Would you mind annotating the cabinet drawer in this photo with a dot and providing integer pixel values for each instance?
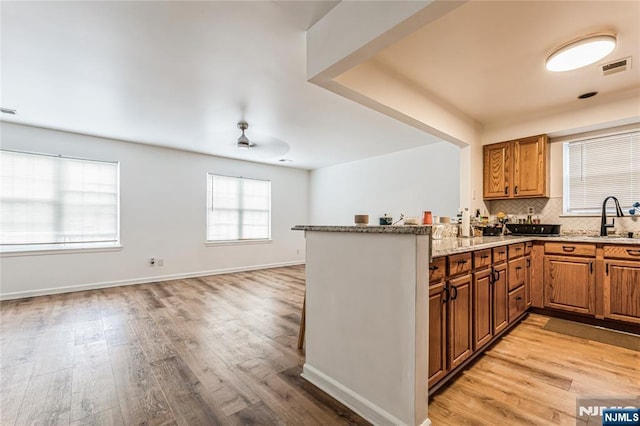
(481, 258)
(516, 273)
(571, 249)
(437, 269)
(516, 250)
(499, 254)
(459, 264)
(622, 252)
(527, 247)
(517, 303)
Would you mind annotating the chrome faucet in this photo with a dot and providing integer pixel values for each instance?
(603, 221)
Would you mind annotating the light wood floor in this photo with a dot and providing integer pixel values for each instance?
(221, 350)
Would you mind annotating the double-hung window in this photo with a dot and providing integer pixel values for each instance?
(54, 202)
(598, 167)
(238, 209)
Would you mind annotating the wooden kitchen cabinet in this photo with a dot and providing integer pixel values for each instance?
(437, 332)
(460, 339)
(482, 308)
(497, 170)
(500, 299)
(621, 283)
(516, 169)
(527, 281)
(569, 283)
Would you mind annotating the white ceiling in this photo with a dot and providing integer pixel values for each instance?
(181, 75)
(486, 58)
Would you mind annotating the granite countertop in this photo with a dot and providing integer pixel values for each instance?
(447, 246)
(385, 229)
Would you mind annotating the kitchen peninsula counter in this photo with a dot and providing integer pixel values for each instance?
(366, 339)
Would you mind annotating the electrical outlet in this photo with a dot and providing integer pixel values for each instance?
(530, 210)
(298, 251)
(160, 262)
(152, 261)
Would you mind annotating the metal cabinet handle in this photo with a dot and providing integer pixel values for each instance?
(506, 190)
(515, 190)
(518, 268)
(528, 263)
(633, 252)
(569, 248)
(591, 267)
(445, 293)
(454, 296)
(607, 269)
(519, 298)
(433, 268)
(461, 262)
(484, 256)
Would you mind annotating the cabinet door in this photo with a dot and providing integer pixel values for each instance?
(530, 167)
(622, 290)
(482, 308)
(500, 301)
(527, 280)
(517, 272)
(569, 284)
(460, 308)
(497, 169)
(517, 304)
(437, 333)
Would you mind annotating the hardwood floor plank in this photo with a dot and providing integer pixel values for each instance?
(189, 400)
(109, 417)
(256, 415)
(47, 399)
(141, 400)
(93, 389)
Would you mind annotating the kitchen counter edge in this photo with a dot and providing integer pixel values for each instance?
(447, 246)
(385, 229)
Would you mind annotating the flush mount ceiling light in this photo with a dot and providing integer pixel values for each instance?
(581, 52)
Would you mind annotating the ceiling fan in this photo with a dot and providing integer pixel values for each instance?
(259, 147)
(243, 140)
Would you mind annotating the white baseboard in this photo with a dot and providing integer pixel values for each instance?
(365, 408)
(106, 284)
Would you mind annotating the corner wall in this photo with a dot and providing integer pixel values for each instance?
(409, 182)
(162, 215)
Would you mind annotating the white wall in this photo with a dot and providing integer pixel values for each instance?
(409, 182)
(163, 215)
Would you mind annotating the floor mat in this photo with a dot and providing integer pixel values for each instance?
(610, 337)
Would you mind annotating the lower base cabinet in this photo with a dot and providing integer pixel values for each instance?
(569, 284)
(437, 332)
(460, 339)
(517, 303)
(622, 291)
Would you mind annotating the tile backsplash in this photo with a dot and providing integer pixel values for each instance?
(549, 210)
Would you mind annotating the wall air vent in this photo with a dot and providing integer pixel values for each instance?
(616, 66)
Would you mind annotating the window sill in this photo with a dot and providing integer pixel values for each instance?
(53, 249)
(237, 242)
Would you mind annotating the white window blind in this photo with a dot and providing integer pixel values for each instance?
(48, 200)
(238, 208)
(598, 167)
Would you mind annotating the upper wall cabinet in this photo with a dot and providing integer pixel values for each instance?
(516, 169)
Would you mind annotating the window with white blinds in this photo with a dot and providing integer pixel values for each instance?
(57, 202)
(598, 167)
(238, 208)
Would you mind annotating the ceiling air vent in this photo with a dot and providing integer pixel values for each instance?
(616, 66)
